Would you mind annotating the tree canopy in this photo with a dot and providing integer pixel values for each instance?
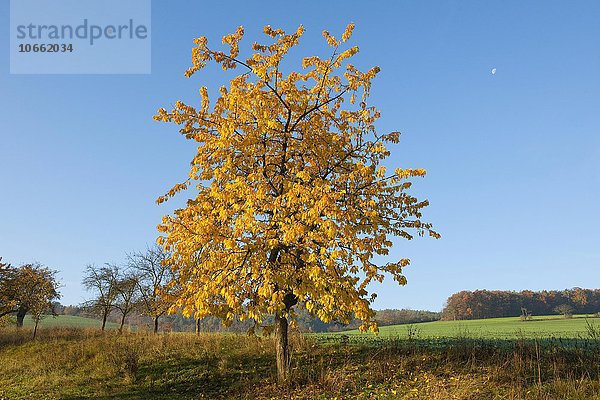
(293, 202)
(27, 288)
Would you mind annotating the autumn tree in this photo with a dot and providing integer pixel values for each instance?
(7, 301)
(153, 276)
(27, 288)
(102, 282)
(293, 203)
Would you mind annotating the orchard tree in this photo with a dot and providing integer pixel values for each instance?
(7, 278)
(293, 203)
(102, 282)
(153, 275)
(40, 305)
(27, 288)
(126, 299)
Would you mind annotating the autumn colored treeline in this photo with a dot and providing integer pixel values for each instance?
(498, 303)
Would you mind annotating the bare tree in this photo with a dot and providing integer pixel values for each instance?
(153, 278)
(126, 295)
(564, 309)
(525, 314)
(102, 281)
(41, 307)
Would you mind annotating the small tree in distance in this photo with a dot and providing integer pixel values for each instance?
(153, 275)
(27, 288)
(41, 306)
(565, 310)
(127, 296)
(102, 282)
(292, 201)
(525, 314)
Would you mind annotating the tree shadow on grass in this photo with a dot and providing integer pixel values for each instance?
(189, 378)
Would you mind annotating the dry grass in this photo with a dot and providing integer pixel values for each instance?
(79, 364)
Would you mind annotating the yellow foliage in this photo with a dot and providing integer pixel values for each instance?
(292, 203)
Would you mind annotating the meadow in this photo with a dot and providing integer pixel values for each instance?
(494, 328)
(84, 363)
(579, 326)
(70, 321)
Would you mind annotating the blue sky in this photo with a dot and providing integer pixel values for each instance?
(512, 158)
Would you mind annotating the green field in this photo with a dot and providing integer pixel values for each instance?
(493, 328)
(68, 321)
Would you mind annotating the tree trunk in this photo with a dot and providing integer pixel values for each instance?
(20, 317)
(282, 349)
(104, 316)
(37, 321)
(198, 326)
(122, 323)
(155, 325)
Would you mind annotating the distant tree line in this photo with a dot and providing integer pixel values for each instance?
(383, 318)
(496, 303)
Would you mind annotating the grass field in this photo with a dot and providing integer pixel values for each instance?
(68, 321)
(493, 328)
(70, 363)
(501, 358)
